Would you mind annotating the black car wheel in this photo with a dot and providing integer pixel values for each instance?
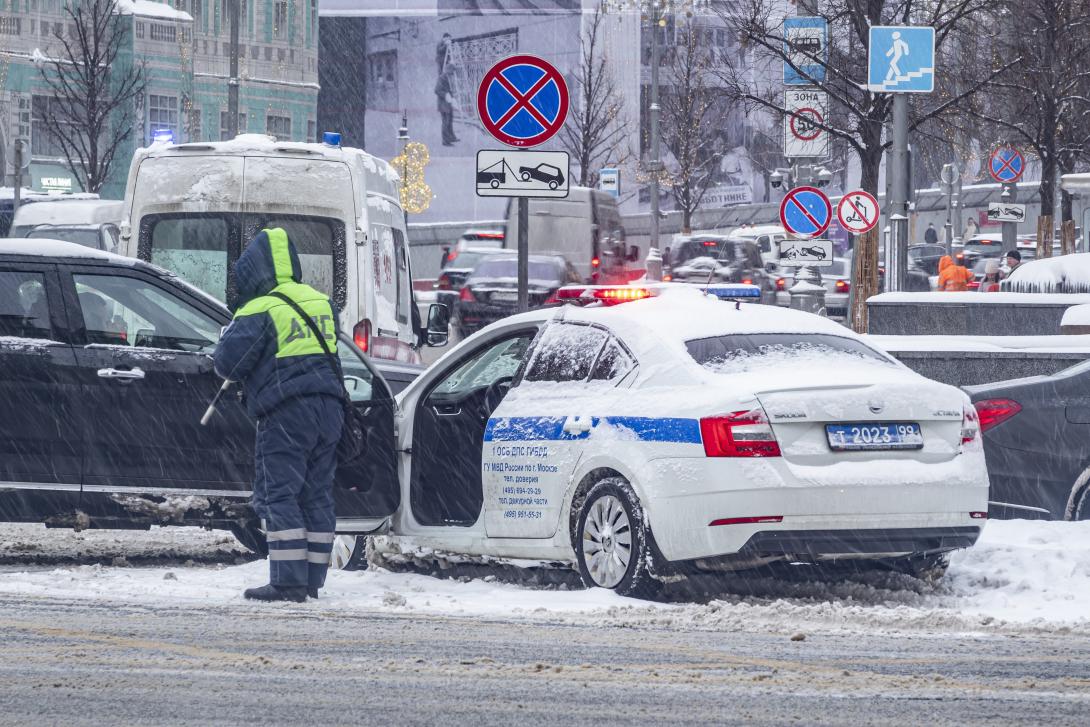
(553, 185)
(526, 176)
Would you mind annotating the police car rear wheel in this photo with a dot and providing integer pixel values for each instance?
(612, 541)
(349, 552)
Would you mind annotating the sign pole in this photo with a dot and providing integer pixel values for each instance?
(524, 255)
(18, 177)
(1010, 229)
(897, 252)
(864, 277)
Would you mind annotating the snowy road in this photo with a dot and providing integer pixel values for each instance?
(1005, 639)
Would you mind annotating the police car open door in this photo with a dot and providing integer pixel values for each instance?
(368, 492)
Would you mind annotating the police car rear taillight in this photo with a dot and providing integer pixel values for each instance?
(361, 334)
(739, 434)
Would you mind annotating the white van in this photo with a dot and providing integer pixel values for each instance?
(767, 238)
(192, 208)
(585, 227)
(80, 218)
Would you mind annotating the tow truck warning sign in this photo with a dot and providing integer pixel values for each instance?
(520, 173)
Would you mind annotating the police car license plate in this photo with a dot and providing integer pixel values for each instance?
(874, 436)
(505, 297)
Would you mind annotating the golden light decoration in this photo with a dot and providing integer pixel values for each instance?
(410, 163)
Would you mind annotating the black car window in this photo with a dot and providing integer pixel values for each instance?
(24, 310)
(507, 267)
(128, 311)
(741, 352)
(613, 364)
(566, 352)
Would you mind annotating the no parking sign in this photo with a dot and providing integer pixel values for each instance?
(806, 211)
(522, 100)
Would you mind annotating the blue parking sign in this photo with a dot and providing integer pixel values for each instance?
(804, 45)
(901, 59)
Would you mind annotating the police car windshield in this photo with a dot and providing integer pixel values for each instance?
(742, 352)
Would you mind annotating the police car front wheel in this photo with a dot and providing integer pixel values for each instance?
(349, 552)
(612, 541)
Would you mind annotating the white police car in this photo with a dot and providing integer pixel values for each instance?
(681, 432)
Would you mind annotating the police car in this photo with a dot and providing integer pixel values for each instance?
(664, 430)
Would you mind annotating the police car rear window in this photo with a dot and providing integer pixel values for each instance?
(743, 352)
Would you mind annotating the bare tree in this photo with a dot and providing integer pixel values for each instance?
(688, 127)
(1043, 101)
(92, 110)
(596, 133)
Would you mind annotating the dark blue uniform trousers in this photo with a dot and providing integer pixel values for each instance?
(296, 459)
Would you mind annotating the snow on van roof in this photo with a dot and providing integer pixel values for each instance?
(45, 247)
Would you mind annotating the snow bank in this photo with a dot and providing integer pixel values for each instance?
(151, 9)
(1027, 344)
(1076, 315)
(1021, 576)
(1062, 274)
(1005, 298)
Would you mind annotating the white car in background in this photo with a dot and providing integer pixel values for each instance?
(676, 433)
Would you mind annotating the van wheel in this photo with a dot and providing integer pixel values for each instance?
(349, 553)
(612, 541)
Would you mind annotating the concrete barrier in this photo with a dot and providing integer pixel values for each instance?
(969, 314)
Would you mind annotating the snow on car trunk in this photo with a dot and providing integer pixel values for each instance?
(832, 399)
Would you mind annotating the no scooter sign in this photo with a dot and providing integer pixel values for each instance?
(857, 212)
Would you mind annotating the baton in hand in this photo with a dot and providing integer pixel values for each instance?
(215, 400)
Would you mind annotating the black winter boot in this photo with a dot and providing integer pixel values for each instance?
(269, 592)
(312, 592)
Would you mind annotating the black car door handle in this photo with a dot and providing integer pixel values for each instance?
(121, 374)
(447, 410)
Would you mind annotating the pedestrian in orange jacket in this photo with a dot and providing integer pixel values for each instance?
(953, 277)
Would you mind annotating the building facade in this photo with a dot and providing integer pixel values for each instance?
(185, 50)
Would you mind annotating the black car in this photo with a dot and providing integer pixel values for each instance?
(546, 173)
(491, 290)
(1037, 444)
(105, 372)
(926, 257)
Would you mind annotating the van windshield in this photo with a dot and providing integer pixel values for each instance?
(201, 248)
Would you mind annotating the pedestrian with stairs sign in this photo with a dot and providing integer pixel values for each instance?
(902, 59)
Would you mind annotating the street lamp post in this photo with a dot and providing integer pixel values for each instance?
(403, 137)
(656, 12)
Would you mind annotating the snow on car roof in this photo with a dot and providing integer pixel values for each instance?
(46, 247)
(68, 210)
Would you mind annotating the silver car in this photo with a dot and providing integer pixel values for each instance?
(837, 280)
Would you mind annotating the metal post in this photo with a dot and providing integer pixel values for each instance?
(232, 82)
(897, 253)
(1010, 229)
(18, 177)
(654, 163)
(524, 254)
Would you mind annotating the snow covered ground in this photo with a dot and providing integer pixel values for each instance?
(1023, 576)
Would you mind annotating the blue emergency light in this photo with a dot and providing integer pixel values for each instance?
(734, 291)
(162, 136)
(331, 138)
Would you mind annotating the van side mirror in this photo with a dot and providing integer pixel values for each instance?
(438, 324)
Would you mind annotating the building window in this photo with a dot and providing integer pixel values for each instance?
(42, 141)
(225, 133)
(255, 52)
(278, 126)
(312, 130)
(159, 31)
(10, 26)
(382, 80)
(268, 52)
(139, 29)
(162, 114)
(280, 19)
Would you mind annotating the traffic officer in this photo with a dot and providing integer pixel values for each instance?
(295, 395)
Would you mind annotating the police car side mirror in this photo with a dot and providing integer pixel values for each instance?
(438, 324)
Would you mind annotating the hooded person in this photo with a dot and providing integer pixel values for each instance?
(295, 396)
(953, 277)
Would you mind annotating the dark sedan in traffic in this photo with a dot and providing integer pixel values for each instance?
(1037, 444)
(491, 290)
